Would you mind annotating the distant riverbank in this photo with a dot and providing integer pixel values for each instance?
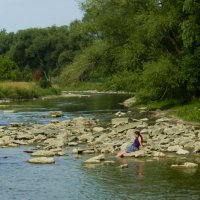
(24, 90)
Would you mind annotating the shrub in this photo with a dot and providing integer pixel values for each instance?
(124, 81)
(43, 83)
(160, 79)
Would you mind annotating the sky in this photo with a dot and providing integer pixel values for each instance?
(22, 14)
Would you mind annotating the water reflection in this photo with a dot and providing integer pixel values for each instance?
(138, 167)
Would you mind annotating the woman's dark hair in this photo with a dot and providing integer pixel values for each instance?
(138, 133)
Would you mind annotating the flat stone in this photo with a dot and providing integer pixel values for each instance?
(98, 129)
(132, 125)
(158, 154)
(174, 148)
(186, 165)
(72, 144)
(41, 160)
(43, 153)
(95, 159)
(124, 166)
(136, 154)
(118, 121)
(182, 152)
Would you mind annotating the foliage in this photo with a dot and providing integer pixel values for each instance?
(43, 83)
(148, 47)
(160, 79)
(8, 69)
(24, 90)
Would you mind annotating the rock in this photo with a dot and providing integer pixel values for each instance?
(120, 114)
(124, 166)
(119, 121)
(43, 153)
(77, 151)
(9, 111)
(182, 152)
(143, 108)
(95, 159)
(98, 129)
(88, 151)
(15, 124)
(28, 151)
(72, 144)
(197, 147)
(41, 160)
(5, 141)
(24, 136)
(186, 165)
(56, 114)
(129, 102)
(136, 154)
(144, 119)
(61, 153)
(54, 121)
(125, 127)
(162, 120)
(174, 148)
(158, 154)
(109, 162)
(107, 147)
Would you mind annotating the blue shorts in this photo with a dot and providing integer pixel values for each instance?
(131, 149)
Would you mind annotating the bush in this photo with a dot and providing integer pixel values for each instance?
(160, 79)
(124, 81)
(9, 69)
(44, 84)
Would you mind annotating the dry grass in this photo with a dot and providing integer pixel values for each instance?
(20, 85)
(24, 90)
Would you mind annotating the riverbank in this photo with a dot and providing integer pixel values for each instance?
(189, 112)
(24, 90)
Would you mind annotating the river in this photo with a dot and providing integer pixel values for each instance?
(70, 179)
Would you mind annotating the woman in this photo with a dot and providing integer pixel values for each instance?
(134, 147)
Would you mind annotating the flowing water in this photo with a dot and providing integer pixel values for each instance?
(70, 179)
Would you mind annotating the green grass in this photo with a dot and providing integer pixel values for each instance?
(188, 112)
(84, 86)
(24, 90)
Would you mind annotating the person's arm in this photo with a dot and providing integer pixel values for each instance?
(140, 141)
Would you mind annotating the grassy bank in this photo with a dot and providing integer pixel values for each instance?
(187, 112)
(24, 90)
(84, 86)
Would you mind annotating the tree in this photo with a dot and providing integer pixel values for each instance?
(8, 69)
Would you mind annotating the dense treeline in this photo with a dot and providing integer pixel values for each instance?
(149, 47)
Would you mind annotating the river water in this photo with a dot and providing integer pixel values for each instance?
(70, 179)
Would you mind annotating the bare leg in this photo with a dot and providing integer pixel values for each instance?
(121, 153)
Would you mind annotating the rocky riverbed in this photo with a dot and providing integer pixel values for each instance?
(163, 138)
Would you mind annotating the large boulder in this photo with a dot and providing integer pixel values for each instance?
(41, 160)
